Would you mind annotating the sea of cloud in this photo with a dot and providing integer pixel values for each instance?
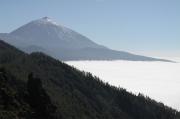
(158, 80)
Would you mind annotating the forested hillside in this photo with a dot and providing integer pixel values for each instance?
(37, 86)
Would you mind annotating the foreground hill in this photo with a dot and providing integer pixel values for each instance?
(60, 42)
(62, 92)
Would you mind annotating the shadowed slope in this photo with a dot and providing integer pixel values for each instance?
(80, 95)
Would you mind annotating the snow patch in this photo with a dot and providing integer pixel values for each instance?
(46, 20)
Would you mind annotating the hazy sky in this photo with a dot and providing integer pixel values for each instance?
(140, 26)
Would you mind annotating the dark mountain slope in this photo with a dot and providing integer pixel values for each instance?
(24, 101)
(12, 101)
(79, 95)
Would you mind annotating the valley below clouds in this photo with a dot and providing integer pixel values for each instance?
(157, 80)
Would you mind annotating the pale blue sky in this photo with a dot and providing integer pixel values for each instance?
(140, 26)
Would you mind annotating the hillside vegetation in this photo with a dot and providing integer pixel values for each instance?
(37, 86)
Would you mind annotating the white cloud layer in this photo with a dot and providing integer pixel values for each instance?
(158, 80)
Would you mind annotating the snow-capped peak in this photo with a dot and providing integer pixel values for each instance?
(46, 20)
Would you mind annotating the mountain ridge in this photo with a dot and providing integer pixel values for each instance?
(54, 38)
(76, 94)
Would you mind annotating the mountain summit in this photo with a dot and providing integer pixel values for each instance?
(47, 36)
(46, 20)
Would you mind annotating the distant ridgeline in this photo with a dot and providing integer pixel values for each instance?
(45, 35)
(36, 86)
